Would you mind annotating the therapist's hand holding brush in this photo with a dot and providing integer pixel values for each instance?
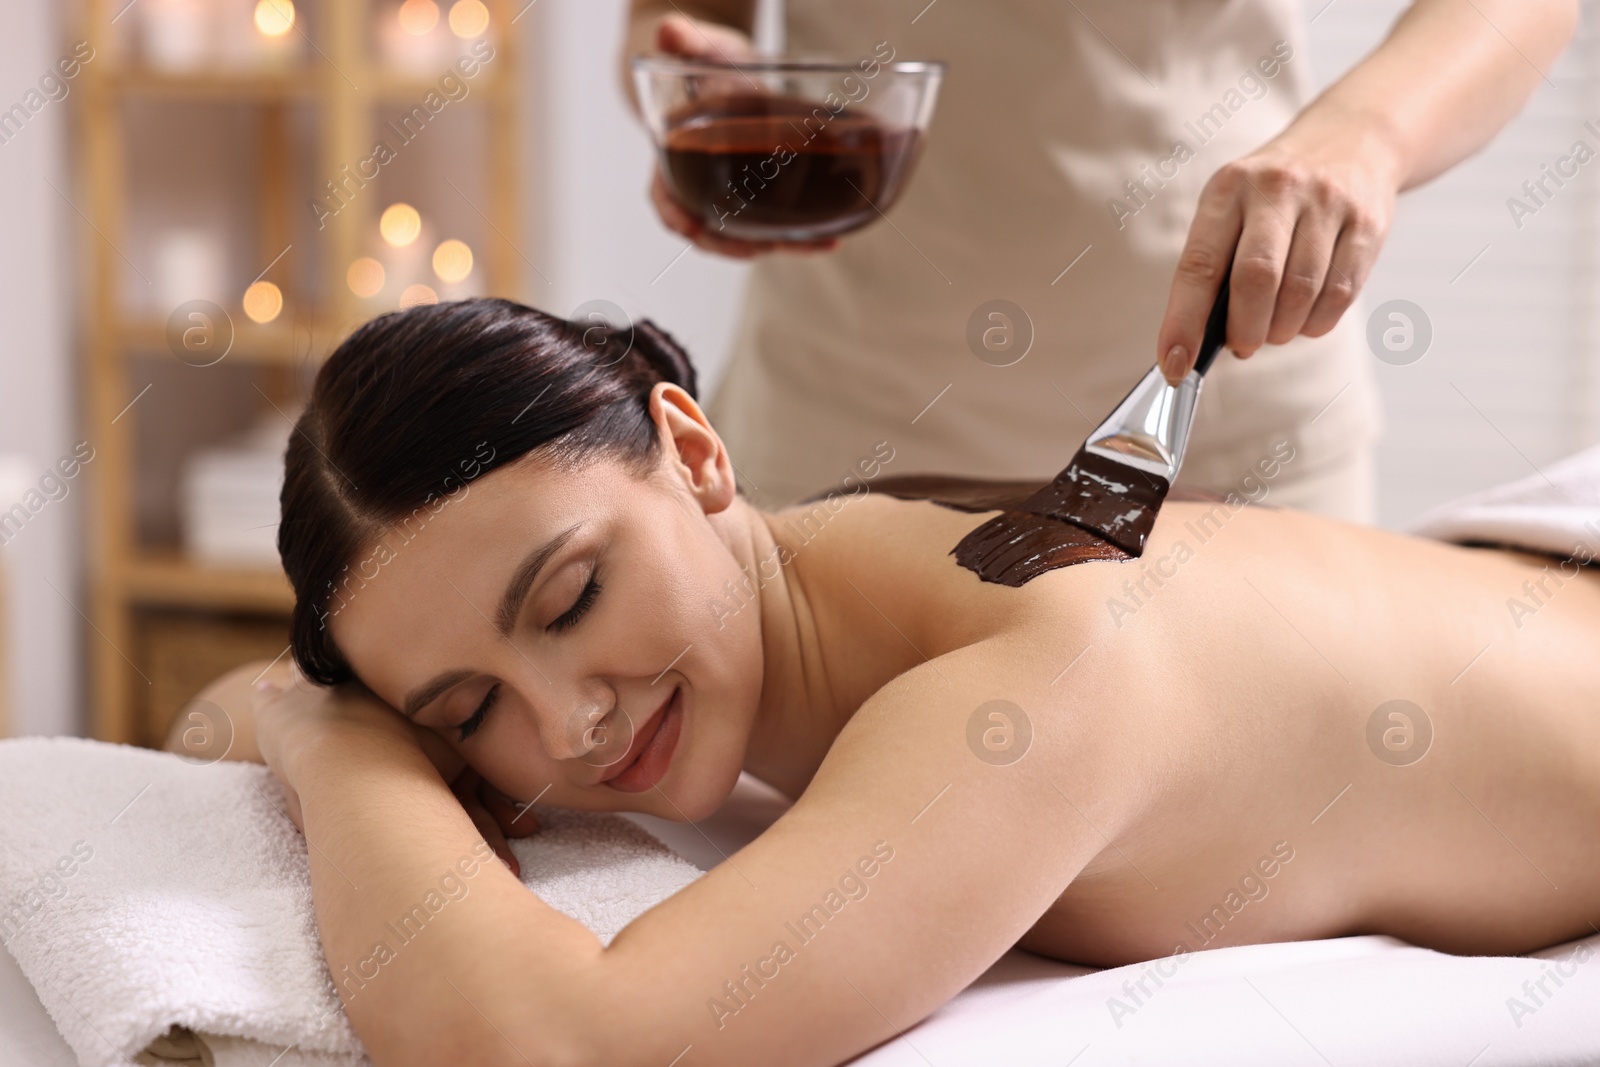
(1303, 217)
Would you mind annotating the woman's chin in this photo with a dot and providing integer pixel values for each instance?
(691, 791)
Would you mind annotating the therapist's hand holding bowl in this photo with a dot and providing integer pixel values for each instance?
(760, 153)
(687, 38)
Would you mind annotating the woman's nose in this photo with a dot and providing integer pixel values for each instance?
(602, 733)
(562, 725)
(596, 733)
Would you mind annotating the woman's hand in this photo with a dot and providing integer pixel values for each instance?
(216, 724)
(1302, 220)
(294, 717)
(680, 35)
(496, 815)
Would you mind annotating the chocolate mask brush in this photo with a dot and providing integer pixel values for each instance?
(1115, 485)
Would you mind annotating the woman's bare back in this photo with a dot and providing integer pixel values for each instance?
(1324, 729)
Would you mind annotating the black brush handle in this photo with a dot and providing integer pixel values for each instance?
(1216, 329)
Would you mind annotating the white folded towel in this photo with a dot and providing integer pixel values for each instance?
(161, 908)
(1556, 511)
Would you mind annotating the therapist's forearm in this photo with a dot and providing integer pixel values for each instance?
(644, 14)
(1448, 77)
(479, 956)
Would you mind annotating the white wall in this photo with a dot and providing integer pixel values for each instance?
(38, 413)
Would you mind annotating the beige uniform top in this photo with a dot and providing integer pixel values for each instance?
(1049, 109)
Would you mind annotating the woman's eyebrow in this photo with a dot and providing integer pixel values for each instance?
(505, 617)
(427, 694)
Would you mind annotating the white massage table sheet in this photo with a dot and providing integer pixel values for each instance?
(1367, 1001)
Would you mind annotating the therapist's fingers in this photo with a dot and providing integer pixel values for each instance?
(679, 35)
(1304, 235)
(1315, 234)
(1258, 264)
(680, 221)
(672, 213)
(1212, 237)
(1354, 253)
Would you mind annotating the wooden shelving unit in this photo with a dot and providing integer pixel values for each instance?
(345, 85)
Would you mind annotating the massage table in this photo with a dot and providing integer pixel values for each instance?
(1367, 1001)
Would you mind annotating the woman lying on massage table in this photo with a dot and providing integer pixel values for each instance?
(535, 550)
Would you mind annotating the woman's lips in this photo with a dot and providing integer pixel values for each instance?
(655, 746)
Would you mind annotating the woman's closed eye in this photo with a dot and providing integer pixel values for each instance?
(580, 606)
(470, 726)
(566, 621)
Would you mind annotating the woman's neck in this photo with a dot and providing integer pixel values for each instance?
(800, 711)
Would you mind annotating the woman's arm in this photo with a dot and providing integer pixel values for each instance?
(908, 866)
(1308, 212)
(428, 941)
(219, 724)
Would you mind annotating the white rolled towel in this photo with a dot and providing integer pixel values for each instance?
(1555, 510)
(161, 908)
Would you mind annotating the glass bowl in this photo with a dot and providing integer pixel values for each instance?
(786, 149)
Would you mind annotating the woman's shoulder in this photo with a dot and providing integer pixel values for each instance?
(879, 537)
(891, 549)
(891, 543)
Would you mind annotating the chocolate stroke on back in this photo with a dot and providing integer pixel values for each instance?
(1016, 546)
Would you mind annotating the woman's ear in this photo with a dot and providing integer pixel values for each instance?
(691, 447)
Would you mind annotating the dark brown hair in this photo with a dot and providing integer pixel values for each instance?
(416, 399)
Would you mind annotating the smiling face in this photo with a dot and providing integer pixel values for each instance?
(558, 625)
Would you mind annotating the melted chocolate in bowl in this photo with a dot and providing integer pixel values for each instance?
(765, 167)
